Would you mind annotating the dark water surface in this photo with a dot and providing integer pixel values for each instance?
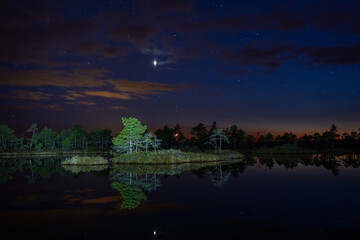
(262, 197)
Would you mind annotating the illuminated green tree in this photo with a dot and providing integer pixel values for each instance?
(130, 138)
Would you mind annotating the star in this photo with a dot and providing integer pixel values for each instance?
(155, 62)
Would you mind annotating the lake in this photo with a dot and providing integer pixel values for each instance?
(261, 197)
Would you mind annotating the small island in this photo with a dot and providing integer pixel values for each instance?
(133, 145)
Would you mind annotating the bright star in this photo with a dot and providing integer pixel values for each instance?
(155, 63)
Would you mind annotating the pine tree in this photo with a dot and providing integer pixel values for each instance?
(130, 137)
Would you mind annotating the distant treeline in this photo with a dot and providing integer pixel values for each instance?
(75, 138)
(78, 138)
(238, 139)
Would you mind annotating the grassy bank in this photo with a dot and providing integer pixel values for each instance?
(171, 156)
(226, 154)
(77, 160)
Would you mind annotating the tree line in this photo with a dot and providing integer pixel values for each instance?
(136, 137)
(235, 138)
(47, 138)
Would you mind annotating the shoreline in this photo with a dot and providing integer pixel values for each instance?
(51, 153)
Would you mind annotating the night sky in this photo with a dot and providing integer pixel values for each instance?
(263, 65)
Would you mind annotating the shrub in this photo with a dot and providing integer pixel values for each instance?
(166, 157)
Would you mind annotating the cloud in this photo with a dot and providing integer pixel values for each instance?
(73, 95)
(37, 33)
(128, 28)
(278, 20)
(171, 5)
(114, 51)
(76, 77)
(256, 54)
(89, 82)
(141, 87)
(236, 72)
(107, 94)
(118, 107)
(51, 107)
(340, 16)
(30, 95)
(38, 41)
(336, 55)
(101, 49)
(82, 103)
(274, 55)
(33, 106)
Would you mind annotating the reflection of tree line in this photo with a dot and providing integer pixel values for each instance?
(33, 168)
(328, 161)
(133, 181)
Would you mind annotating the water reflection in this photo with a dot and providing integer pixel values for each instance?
(43, 168)
(135, 182)
(132, 186)
(260, 196)
(218, 176)
(75, 169)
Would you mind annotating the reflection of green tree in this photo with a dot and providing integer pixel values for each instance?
(131, 187)
(132, 194)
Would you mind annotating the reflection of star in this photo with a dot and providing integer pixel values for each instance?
(155, 63)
